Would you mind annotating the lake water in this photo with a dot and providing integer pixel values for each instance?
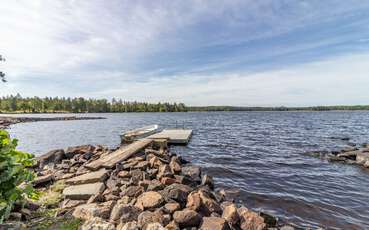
(262, 153)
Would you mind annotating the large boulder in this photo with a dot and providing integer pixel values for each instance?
(82, 149)
(97, 223)
(92, 177)
(51, 157)
(203, 201)
(230, 214)
(250, 220)
(187, 218)
(83, 191)
(132, 225)
(176, 192)
(88, 211)
(148, 217)
(149, 200)
(192, 171)
(124, 213)
(213, 223)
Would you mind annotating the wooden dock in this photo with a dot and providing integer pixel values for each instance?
(174, 136)
(123, 153)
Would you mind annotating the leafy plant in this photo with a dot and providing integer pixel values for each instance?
(15, 178)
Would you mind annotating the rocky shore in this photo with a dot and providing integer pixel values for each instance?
(151, 189)
(355, 155)
(5, 122)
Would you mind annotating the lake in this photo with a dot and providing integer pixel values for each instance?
(264, 154)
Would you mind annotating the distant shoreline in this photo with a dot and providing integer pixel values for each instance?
(5, 122)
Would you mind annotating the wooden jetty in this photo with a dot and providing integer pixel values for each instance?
(123, 153)
(174, 136)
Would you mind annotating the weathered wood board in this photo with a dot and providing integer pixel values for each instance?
(123, 153)
(174, 136)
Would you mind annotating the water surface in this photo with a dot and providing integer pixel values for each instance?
(262, 153)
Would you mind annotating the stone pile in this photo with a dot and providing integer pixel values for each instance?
(350, 155)
(152, 190)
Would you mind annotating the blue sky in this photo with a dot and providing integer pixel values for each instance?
(250, 53)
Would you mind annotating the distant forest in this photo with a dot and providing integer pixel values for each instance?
(18, 104)
(282, 108)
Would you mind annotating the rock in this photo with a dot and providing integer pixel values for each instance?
(136, 176)
(82, 149)
(15, 216)
(250, 220)
(187, 218)
(51, 157)
(164, 171)
(124, 174)
(97, 223)
(168, 180)
(230, 214)
(67, 204)
(208, 204)
(155, 162)
(172, 226)
(171, 207)
(95, 198)
(124, 212)
(154, 226)
(132, 225)
(176, 192)
(149, 200)
(213, 223)
(111, 197)
(98, 176)
(186, 180)
(88, 211)
(192, 171)
(84, 191)
(208, 181)
(155, 185)
(269, 220)
(148, 217)
(132, 191)
(287, 227)
(142, 165)
(175, 166)
(362, 158)
(194, 201)
(43, 180)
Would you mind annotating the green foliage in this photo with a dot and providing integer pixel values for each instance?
(81, 105)
(15, 178)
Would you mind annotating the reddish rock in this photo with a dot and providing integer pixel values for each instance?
(250, 220)
(230, 214)
(213, 223)
(168, 180)
(149, 200)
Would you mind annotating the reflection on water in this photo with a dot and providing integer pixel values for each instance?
(262, 153)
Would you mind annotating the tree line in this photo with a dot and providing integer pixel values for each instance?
(281, 108)
(18, 104)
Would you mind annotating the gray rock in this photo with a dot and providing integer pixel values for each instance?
(92, 177)
(51, 157)
(124, 213)
(187, 218)
(84, 191)
(97, 223)
(148, 217)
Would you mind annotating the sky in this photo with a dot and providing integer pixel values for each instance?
(241, 53)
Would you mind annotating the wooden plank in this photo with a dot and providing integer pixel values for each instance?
(174, 136)
(123, 153)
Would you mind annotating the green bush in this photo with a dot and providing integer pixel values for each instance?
(15, 178)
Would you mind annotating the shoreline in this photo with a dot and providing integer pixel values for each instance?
(151, 188)
(6, 121)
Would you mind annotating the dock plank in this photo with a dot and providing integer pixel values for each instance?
(123, 153)
(174, 136)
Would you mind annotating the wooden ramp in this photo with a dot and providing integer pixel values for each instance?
(123, 153)
(174, 136)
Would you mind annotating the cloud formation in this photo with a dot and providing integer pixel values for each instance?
(199, 52)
